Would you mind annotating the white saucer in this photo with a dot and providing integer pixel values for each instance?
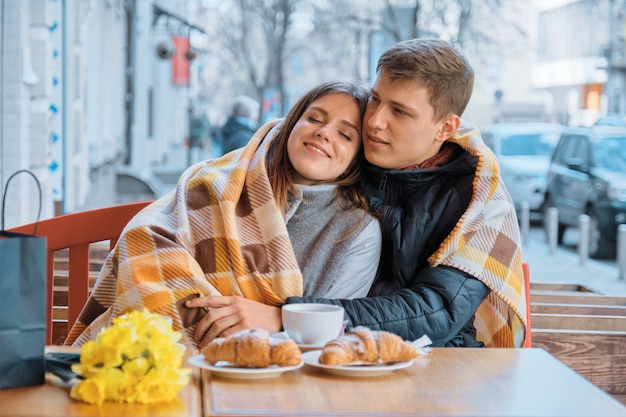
(226, 370)
(303, 347)
(312, 359)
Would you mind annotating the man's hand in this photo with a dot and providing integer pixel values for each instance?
(230, 314)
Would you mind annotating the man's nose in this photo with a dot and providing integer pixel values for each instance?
(375, 118)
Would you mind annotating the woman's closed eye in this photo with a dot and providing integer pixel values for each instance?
(345, 135)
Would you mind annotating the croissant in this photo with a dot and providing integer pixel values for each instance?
(362, 346)
(252, 349)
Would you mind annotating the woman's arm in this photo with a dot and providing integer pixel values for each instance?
(229, 315)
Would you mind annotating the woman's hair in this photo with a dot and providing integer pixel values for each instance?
(282, 173)
(436, 64)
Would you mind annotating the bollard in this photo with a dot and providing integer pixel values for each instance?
(621, 250)
(552, 228)
(525, 221)
(583, 241)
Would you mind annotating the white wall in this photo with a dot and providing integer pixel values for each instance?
(62, 99)
(23, 110)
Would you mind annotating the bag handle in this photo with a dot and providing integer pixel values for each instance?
(4, 196)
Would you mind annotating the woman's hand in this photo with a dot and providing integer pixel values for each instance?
(230, 314)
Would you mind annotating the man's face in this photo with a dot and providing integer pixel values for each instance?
(398, 127)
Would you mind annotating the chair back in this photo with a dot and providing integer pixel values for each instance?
(526, 274)
(74, 238)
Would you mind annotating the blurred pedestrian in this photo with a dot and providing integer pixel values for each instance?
(199, 135)
(241, 124)
(199, 129)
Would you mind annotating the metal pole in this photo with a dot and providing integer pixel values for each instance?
(525, 221)
(67, 93)
(189, 119)
(609, 55)
(3, 46)
(583, 242)
(621, 250)
(552, 228)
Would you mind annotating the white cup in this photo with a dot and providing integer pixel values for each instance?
(311, 323)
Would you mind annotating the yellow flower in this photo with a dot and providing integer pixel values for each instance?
(90, 390)
(136, 359)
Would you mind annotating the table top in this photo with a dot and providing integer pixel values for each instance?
(52, 399)
(445, 382)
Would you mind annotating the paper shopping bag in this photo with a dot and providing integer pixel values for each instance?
(23, 307)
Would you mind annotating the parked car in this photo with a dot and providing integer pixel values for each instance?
(524, 151)
(587, 175)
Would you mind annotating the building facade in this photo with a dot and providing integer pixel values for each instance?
(80, 84)
(580, 59)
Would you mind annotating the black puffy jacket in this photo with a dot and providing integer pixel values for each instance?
(418, 209)
(236, 133)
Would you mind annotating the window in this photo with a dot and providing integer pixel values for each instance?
(528, 144)
(566, 150)
(610, 154)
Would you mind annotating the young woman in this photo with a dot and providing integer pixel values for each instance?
(282, 216)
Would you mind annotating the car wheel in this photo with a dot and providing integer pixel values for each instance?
(547, 204)
(599, 246)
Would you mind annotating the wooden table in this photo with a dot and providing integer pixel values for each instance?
(445, 382)
(53, 400)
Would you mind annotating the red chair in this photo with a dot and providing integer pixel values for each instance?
(526, 270)
(76, 232)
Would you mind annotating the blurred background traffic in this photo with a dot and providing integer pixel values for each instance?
(107, 101)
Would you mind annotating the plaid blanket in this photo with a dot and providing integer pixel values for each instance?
(219, 232)
(485, 244)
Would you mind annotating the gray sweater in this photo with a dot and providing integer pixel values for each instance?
(338, 250)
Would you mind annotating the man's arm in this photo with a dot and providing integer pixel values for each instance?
(439, 303)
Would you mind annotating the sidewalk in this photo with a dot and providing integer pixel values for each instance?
(565, 267)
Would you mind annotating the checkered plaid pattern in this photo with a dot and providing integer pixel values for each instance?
(486, 244)
(218, 233)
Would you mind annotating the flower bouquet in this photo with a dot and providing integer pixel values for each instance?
(136, 360)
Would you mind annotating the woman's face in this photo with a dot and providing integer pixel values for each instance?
(325, 139)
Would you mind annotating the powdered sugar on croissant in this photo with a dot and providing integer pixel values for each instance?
(362, 346)
(253, 349)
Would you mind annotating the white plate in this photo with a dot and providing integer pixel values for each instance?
(225, 369)
(312, 359)
(303, 347)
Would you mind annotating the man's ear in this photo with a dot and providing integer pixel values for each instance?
(449, 126)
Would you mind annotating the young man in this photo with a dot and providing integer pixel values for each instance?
(451, 253)
(451, 261)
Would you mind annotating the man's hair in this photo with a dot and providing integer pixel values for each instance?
(279, 167)
(436, 64)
